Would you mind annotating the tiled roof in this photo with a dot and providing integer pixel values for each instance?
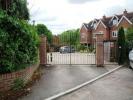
(107, 20)
(88, 25)
(130, 16)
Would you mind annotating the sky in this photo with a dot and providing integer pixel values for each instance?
(62, 15)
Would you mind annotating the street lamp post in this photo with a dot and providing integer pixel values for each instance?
(33, 22)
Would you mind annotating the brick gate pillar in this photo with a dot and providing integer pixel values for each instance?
(43, 50)
(99, 50)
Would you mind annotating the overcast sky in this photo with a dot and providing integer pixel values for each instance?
(61, 15)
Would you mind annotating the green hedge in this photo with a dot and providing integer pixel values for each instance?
(18, 44)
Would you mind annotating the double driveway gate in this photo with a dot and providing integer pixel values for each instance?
(80, 55)
(71, 58)
(67, 51)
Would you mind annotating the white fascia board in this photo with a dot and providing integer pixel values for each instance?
(84, 27)
(102, 24)
(123, 18)
(114, 17)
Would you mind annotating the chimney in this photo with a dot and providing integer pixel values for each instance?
(125, 12)
(104, 17)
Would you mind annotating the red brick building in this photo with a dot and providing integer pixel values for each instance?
(108, 26)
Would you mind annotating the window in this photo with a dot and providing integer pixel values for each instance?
(83, 35)
(115, 21)
(114, 34)
(94, 25)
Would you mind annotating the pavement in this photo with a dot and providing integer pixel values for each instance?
(56, 79)
(115, 86)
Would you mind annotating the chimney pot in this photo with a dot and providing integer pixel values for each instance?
(125, 12)
(104, 17)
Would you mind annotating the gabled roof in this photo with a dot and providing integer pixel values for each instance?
(130, 16)
(88, 25)
(85, 26)
(124, 17)
(95, 20)
(108, 21)
(100, 21)
(115, 16)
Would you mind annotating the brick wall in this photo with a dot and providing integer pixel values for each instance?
(43, 50)
(124, 23)
(99, 50)
(6, 80)
(85, 36)
(102, 29)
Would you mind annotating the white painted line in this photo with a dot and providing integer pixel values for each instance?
(82, 85)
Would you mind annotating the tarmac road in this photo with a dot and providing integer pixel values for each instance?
(59, 78)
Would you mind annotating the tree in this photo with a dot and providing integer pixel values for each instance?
(42, 29)
(70, 37)
(129, 35)
(121, 46)
(5, 4)
(17, 8)
(129, 42)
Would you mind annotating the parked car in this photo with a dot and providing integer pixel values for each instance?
(66, 49)
(131, 58)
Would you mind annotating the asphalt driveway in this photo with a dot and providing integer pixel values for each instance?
(57, 79)
(116, 86)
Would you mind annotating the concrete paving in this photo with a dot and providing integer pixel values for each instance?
(116, 86)
(60, 78)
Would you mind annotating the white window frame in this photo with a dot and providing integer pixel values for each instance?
(94, 25)
(114, 34)
(115, 21)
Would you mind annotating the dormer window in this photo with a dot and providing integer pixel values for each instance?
(115, 21)
(94, 25)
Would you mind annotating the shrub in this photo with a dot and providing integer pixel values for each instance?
(129, 35)
(81, 47)
(18, 84)
(129, 42)
(18, 44)
(121, 46)
(42, 29)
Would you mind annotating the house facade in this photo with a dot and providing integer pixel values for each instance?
(108, 26)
